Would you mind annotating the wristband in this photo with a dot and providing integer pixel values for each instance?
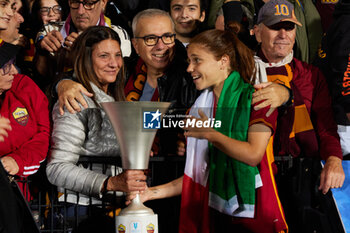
(289, 102)
(104, 187)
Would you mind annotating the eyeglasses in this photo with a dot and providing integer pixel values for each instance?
(46, 10)
(152, 40)
(5, 69)
(88, 5)
(288, 26)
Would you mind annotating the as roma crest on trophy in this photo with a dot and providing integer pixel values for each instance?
(121, 228)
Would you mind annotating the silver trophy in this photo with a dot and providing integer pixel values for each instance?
(135, 125)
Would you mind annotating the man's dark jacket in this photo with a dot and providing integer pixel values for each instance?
(334, 61)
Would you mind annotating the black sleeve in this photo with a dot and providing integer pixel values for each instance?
(334, 61)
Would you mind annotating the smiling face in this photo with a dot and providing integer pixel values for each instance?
(51, 16)
(159, 56)
(277, 41)
(7, 10)
(106, 62)
(12, 32)
(7, 79)
(186, 15)
(206, 70)
(83, 18)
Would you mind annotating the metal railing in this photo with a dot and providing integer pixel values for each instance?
(52, 215)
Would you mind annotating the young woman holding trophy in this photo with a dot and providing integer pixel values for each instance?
(229, 168)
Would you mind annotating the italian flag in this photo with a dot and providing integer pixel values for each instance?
(194, 214)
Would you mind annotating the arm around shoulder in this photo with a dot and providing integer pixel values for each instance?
(70, 96)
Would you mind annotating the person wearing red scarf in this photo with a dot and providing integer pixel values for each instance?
(306, 131)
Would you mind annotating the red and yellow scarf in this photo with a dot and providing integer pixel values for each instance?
(133, 92)
(296, 131)
(135, 84)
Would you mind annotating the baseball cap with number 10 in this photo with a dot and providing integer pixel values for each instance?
(276, 11)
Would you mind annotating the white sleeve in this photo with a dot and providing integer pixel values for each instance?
(125, 40)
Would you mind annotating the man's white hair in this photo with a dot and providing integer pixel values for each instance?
(149, 13)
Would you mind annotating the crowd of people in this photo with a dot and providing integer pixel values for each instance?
(250, 64)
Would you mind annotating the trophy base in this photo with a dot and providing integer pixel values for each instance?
(137, 224)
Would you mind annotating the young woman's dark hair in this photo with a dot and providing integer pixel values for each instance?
(226, 42)
(83, 67)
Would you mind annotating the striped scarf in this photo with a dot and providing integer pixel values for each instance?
(295, 132)
(69, 27)
(134, 86)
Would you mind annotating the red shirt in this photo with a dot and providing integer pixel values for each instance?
(269, 216)
(26, 106)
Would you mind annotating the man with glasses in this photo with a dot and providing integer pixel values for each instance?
(159, 74)
(83, 14)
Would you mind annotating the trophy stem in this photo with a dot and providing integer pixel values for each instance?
(137, 218)
(137, 199)
(136, 208)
